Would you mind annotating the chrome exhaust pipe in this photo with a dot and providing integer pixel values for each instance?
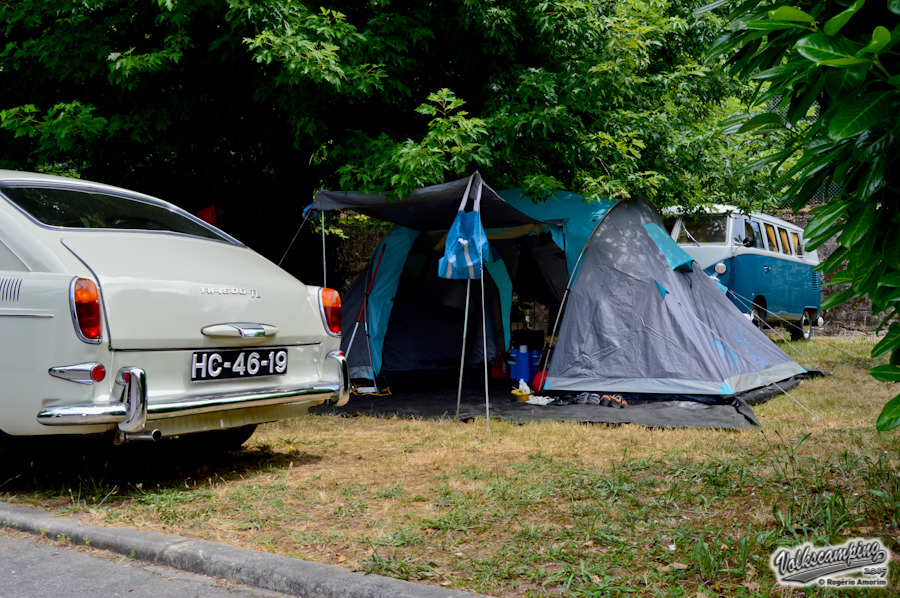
(151, 435)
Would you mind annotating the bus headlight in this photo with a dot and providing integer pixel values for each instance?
(720, 268)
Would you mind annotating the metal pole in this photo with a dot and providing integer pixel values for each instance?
(365, 301)
(462, 359)
(324, 269)
(487, 400)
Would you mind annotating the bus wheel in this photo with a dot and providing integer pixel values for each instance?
(803, 330)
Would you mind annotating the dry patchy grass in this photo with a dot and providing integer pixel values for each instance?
(546, 508)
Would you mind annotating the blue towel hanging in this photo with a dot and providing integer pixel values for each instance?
(467, 244)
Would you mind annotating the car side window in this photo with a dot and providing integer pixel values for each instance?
(785, 244)
(750, 236)
(9, 261)
(87, 209)
(798, 246)
(772, 238)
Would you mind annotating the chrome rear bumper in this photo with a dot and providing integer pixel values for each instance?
(133, 410)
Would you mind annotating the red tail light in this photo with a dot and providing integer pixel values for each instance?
(85, 299)
(98, 373)
(330, 303)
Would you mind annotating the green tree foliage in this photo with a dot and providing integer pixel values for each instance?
(829, 78)
(603, 97)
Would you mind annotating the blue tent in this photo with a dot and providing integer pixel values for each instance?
(638, 316)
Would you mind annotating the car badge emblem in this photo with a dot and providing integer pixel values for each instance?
(251, 293)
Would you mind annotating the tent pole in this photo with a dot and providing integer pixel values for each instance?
(296, 234)
(324, 269)
(365, 302)
(562, 304)
(369, 345)
(487, 400)
(462, 360)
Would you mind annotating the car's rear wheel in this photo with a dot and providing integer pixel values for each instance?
(803, 329)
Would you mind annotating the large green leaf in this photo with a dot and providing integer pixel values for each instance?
(781, 71)
(800, 107)
(885, 298)
(889, 342)
(854, 117)
(836, 299)
(872, 178)
(890, 416)
(891, 251)
(790, 13)
(760, 120)
(886, 373)
(835, 23)
(772, 25)
(821, 48)
(840, 277)
(710, 7)
(890, 280)
(866, 275)
(845, 80)
(881, 37)
(825, 216)
(834, 261)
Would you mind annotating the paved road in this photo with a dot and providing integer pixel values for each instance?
(31, 567)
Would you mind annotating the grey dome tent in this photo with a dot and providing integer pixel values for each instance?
(638, 317)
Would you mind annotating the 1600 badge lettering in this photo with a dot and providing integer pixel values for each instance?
(218, 365)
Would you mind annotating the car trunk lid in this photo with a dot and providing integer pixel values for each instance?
(160, 291)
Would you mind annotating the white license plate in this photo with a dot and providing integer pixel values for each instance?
(243, 363)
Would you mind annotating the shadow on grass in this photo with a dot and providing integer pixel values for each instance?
(95, 471)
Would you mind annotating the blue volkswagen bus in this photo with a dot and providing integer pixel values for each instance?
(760, 259)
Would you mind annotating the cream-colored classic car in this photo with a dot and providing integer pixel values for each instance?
(121, 314)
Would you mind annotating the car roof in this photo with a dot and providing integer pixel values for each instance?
(18, 176)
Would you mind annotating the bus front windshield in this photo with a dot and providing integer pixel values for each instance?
(703, 228)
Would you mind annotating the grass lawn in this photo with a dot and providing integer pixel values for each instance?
(541, 509)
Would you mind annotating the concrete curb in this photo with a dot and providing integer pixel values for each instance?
(250, 567)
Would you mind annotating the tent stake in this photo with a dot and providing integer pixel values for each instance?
(462, 360)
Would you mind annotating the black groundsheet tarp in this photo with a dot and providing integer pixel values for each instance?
(440, 403)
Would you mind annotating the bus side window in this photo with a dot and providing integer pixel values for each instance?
(753, 229)
(785, 244)
(750, 236)
(798, 247)
(772, 238)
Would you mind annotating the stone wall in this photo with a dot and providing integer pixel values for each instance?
(850, 317)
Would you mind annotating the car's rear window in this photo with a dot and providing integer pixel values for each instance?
(703, 228)
(78, 208)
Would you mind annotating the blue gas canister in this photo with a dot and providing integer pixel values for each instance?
(534, 363)
(514, 364)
